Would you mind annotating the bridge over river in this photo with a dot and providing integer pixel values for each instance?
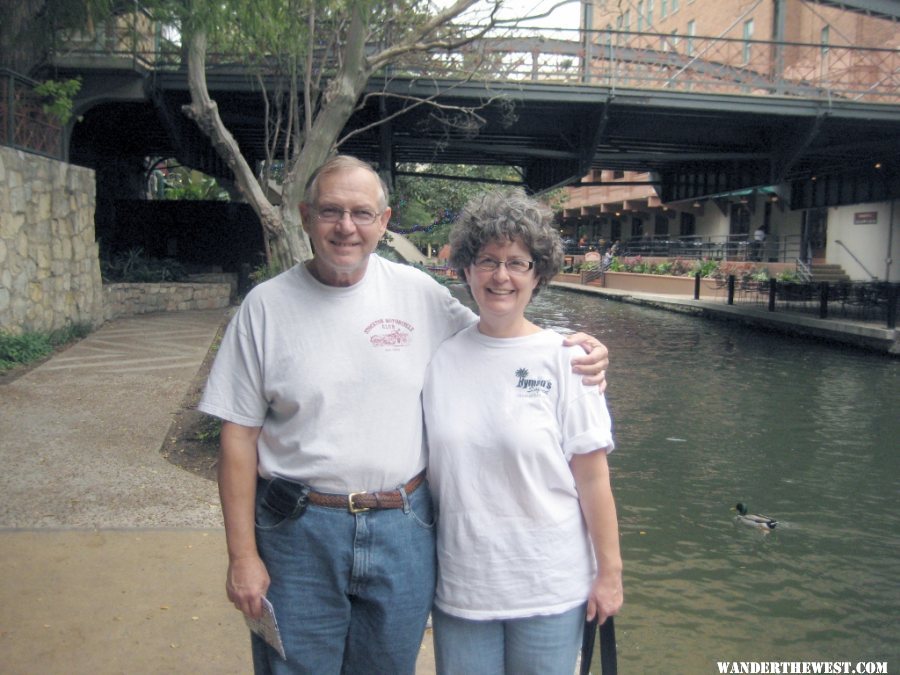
(703, 115)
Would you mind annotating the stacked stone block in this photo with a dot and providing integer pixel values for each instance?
(49, 262)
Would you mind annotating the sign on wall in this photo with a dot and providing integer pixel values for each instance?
(865, 218)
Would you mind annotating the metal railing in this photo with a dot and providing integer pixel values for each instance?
(739, 247)
(637, 60)
(858, 261)
(864, 301)
(23, 123)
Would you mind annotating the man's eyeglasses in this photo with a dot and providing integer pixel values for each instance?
(360, 217)
(513, 265)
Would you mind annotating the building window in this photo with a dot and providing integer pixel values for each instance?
(627, 16)
(615, 229)
(688, 224)
(691, 31)
(824, 36)
(674, 5)
(663, 9)
(616, 174)
(649, 14)
(640, 13)
(748, 35)
(637, 227)
(739, 223)
(661, 225)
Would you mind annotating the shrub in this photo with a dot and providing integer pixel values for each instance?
(16, 350)
(133, 266)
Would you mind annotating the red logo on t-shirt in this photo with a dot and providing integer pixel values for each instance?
(389, 333)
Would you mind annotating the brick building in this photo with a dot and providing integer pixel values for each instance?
(724, 46)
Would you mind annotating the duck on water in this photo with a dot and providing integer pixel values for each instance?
(754, 519)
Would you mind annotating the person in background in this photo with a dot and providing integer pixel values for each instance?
(528, 541)
(321, 470)
(759, 242)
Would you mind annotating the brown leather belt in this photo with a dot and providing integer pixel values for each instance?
(357, 502)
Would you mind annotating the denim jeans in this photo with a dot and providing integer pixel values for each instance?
(545, 645)
(351, 592)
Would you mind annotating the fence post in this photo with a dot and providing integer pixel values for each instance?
(823, 300)
(891, 306)
(697, 286)
(730, 289)
(773, 285)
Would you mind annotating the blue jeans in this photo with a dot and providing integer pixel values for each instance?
(545, 645)
(351, 592)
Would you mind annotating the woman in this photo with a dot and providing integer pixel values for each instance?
(528, 543)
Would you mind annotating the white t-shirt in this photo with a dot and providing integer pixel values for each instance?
(503, 417)
(334, 375)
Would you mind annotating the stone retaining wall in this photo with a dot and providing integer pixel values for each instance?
(128, 299)
(49, 262)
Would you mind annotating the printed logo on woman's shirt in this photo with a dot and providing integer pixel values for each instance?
(532, 385)
(389, 334)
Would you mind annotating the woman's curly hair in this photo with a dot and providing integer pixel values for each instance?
(507, 215)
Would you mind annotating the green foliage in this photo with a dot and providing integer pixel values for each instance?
(61, 94)
(185, 183)
(209, 430)
(679, 267)
(17, 350)
(267, 270)
(706, 268)
(424, 208)
(789, 276)
(133, 266)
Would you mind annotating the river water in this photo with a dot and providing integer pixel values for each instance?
(708, 414)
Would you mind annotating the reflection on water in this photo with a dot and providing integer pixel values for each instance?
(708, 414)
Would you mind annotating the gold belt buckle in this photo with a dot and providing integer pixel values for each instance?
(350, 505)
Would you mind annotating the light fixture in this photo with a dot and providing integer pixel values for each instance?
(696, 204)
(877, 165)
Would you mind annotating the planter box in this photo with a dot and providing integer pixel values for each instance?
(568, 277)
(660, 284)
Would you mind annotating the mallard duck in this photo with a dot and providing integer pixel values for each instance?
(754, 519)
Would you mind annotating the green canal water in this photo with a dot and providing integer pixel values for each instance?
(708, 414)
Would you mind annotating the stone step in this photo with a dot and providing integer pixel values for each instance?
(828, 272)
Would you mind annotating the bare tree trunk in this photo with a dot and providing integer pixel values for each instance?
(285, 243)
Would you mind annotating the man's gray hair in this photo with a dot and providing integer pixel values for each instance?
(507, 215)
(339, 163)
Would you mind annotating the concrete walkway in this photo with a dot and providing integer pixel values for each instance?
(113, 558)
(869, 335)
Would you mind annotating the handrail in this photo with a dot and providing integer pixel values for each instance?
(858, 261)
(641, 60)
(803, 271)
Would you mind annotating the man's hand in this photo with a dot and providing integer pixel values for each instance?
(594, 363)
(246, 584)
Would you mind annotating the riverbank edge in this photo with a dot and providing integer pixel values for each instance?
(853, 333)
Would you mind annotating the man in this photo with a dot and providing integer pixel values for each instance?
(321, 470)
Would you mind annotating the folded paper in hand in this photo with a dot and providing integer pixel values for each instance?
(267, 627)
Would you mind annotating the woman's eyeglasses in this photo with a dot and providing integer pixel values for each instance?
(513, 265)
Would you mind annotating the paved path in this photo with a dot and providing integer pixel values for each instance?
(113, 558)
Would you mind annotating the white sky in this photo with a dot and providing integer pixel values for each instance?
(565, 16)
